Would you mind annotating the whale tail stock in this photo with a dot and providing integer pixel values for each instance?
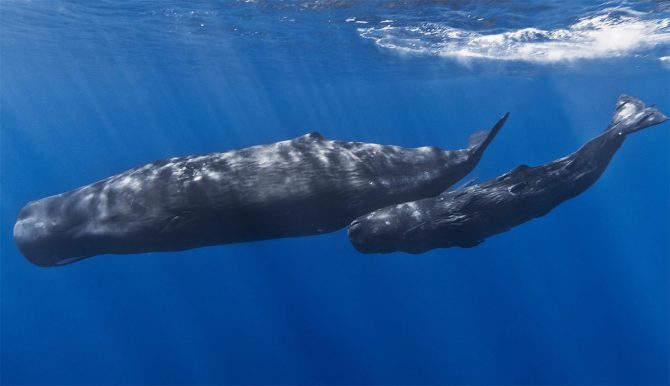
(479, 141)
(632, 115)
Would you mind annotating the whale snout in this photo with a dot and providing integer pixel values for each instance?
(39, 236)
(32, 235)
(357, 237)
(366, 238)
(354, 232)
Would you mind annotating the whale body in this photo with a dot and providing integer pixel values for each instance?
(466, 216)
(305, 186)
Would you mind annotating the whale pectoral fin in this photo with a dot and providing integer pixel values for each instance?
(544, 213)
(425, 226)
(470, 244)
(413, 231)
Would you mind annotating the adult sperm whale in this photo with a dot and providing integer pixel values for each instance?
(305, 186)
(464, 217)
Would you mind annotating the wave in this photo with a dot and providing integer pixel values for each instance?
(611, 33)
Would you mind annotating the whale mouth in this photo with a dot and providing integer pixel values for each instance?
(51, 245)
(36, 245)
(46, 250)
(68, 260)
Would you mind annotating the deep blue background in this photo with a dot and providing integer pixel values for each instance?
(578, 296)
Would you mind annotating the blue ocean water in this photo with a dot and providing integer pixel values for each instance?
(580, 296)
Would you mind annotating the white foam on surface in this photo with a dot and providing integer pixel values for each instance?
(665, 61)
(613, 32)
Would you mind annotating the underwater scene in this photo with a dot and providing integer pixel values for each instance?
(334, 192)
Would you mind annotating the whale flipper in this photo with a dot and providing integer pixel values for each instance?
(632, 115)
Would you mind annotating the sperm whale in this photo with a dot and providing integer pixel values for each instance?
(305, 186)
(464, 217)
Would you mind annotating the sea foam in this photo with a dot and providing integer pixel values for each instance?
(612, 32)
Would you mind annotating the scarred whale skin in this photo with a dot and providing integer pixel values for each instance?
(305, 186)
(466, 216)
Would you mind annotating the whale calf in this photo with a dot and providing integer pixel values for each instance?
(464, 217)
(304, 186)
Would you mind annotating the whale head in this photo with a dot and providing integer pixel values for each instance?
(45, 238)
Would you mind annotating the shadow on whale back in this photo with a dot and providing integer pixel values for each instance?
(305, 186)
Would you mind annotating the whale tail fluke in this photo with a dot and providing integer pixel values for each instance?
(632, 115)
(479, 141)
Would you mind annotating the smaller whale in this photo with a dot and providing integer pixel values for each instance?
(464, 217)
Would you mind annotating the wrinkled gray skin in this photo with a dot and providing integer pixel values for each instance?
(305, 186)
(466, 216)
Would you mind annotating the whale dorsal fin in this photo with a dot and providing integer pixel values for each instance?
(519, 170)
(312, 136)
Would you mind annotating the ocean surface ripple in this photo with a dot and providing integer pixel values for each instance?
(549, 35)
